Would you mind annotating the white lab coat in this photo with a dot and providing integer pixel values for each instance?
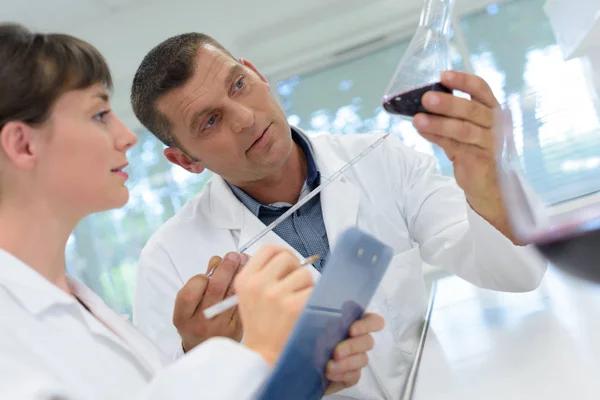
(51, 348)
(394, 193)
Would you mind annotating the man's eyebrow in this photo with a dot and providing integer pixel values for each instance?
(238, 69)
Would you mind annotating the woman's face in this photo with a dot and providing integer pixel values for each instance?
(80, 166)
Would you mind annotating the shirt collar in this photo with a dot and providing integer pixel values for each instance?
(246, 199)
(312, 174)
(33, 291)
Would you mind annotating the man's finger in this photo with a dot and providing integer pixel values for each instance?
(212, 263)
(355, 362)
(232, 313)
(352, 346)
(475, 86)
(235, 316)
(459, 130)
(458, 151)
(369, 323)
(221, 279)
(457, 107)
(342, 381)
(451, 147)
(188, 298)
(231, 289)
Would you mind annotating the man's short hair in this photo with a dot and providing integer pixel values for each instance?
(167, 66)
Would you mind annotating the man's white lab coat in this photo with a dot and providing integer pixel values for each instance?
(395, 194)
(52, 348)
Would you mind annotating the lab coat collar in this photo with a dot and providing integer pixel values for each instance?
(33, 291)
(327, 162)
(226, 211)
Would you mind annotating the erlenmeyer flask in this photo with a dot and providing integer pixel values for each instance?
(567, 233)
(427, 55)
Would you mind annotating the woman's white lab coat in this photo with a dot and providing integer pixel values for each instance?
(52, 348)
(394, 193)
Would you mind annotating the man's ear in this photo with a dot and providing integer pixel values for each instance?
(178, 157)
(20, 145)
(253, 68)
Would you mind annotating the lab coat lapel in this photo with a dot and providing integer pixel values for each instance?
(340, 199)
(339, 202)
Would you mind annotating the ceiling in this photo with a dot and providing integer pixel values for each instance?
(277, 35)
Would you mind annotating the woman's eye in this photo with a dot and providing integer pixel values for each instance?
(101, 116)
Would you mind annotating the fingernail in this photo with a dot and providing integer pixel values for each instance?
(448, 75)
(244, 258)
(341, 353)
(235, 257)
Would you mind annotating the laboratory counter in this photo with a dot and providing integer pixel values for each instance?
(482, 344)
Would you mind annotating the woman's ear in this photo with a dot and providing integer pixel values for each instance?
(17, 142)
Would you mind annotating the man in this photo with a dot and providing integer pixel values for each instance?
(215, 112)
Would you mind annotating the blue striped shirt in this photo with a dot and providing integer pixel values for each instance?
(304, 230)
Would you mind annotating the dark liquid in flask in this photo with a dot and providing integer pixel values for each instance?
(409, 103)
(578, 255)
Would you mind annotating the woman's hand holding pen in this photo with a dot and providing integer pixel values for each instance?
(272, 289)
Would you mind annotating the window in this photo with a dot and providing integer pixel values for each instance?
(510, 44)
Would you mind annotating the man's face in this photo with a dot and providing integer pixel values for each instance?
(226, 118)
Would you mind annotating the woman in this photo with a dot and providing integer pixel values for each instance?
(62, 154)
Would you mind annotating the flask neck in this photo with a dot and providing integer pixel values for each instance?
(437, 15)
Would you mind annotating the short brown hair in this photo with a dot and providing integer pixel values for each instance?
(167, 66)
(36, 69)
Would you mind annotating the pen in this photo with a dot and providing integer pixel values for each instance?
(232, 301)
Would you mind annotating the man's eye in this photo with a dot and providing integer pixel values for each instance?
(211, 121)
(240, 83)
